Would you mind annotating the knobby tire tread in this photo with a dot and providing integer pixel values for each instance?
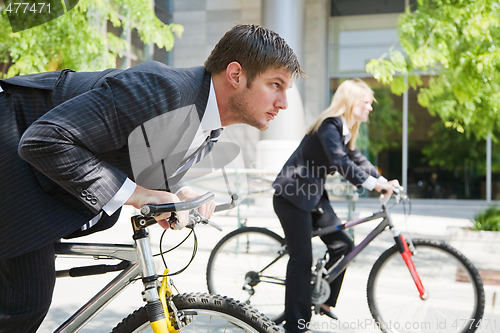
(216, 303)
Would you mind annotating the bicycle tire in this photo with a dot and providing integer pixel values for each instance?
(235, 261)
(454, 288)
(214, 313)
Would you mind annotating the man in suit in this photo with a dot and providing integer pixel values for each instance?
(75, 147)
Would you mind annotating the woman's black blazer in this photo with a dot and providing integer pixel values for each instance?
(302, 178)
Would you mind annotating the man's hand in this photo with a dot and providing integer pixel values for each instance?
(186, 193)
(142, 196)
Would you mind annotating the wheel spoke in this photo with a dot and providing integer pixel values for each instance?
(452, 284)
(249, 264)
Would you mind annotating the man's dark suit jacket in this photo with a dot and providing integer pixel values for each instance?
(301, 180)
(83, 134)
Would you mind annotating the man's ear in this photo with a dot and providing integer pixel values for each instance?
(234, 73)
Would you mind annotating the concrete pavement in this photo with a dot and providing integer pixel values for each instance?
(429, 218)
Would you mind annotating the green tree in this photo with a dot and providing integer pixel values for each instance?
(78, 40)
(456, 41)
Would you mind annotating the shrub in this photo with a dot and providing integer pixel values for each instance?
(488, 219)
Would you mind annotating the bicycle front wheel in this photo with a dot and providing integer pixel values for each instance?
(249, 264)
(454, 291)
(206, 313)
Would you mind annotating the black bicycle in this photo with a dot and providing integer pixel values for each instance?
(412, 286)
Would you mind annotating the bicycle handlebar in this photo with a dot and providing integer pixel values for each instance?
(400, 192)
(397, 191)
(156, 209)
(233, 203)
(151, 210)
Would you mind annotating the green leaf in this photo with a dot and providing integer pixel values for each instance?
(78, 39)
(457, 43)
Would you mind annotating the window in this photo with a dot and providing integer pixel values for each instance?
(367, 7)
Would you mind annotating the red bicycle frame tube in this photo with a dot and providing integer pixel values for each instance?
(407, 254)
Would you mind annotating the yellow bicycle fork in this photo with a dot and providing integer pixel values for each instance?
(169, 321)
(161, 319)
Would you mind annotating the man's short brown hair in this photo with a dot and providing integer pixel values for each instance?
(256, 49)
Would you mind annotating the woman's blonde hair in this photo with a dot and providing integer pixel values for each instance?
(348, 94)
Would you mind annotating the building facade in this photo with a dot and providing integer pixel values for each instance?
(334, 39)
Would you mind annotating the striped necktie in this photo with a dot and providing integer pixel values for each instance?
(201, 152)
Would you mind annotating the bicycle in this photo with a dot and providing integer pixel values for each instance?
(164, 311)
(250, 263)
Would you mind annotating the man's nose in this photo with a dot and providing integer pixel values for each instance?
(282, 102)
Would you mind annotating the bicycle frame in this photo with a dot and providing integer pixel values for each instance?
(342, 264)
(136, 262)
(128, 253)
(400, 240)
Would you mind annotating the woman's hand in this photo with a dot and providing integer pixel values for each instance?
(142, 196)
(394, 182)
(387, 187)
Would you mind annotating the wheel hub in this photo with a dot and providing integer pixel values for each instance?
(252, 278)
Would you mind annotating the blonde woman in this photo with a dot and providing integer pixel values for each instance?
(329, 146)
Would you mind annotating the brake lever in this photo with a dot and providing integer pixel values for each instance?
(195, 217)
(173, 220)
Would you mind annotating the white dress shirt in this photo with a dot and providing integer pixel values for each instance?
(210, 121)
